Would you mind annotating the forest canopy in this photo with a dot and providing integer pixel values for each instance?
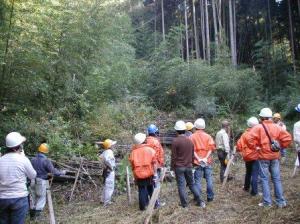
(76, 71)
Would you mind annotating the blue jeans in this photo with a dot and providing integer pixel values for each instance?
(13, 210)
(207, 171)
(184, 175)
(265, 168)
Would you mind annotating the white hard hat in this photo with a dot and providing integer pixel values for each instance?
(252, 121)
(180, 126)
(139, 138)
(14, 139)
(266, 112)
(199, 123)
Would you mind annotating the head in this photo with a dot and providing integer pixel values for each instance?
(225, 124)
(276, 117)
(108, 143)
(180, 127)
(265, 114)
(189, 126)
(139, 138)
(199, 124)
(14, 142)
(152, 130)
(252, 121)
(44, 148)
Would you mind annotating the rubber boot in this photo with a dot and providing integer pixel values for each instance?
(32, 214)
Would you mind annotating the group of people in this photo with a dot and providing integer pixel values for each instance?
(261, 146)
(19, 176)
(191, 160)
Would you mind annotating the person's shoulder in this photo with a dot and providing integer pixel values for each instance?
(297, 124)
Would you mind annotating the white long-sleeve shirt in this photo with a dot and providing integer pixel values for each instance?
(296, 135)
(108, 158)
(14, 169)
(222, 140)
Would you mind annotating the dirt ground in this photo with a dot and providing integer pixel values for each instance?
(231, 204)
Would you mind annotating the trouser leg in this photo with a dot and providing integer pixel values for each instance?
(109, 186)
(188, 174)
(248, 165)
(254, 178)
(143, 197)
(181, 184)
(19, 210)
(209, 183)
(41, 194)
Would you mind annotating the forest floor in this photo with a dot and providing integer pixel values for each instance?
(231, 204)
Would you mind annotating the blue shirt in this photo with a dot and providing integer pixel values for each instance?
(43, 166)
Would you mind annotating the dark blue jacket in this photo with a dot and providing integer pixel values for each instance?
(43, 166)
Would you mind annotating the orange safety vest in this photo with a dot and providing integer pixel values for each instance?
(159, 151)
(259, 139)
(242, 147)
(203, 143)
(142, 159)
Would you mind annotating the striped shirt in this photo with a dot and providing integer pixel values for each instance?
(14, 169)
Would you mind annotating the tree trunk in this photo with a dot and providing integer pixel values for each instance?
(292, 35)
(203, 29)
(186, 32)
(207, 33)
(215, 26)
(4, 65)
(270, 22)
(232, 36)
(163, 20)
(196, 37)
(155, 24)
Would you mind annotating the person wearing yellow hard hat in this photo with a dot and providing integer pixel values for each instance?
(189, 129)
(108, 175)
(38, 186)
(278, 120)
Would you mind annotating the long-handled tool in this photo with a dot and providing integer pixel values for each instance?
(296, 166)
(50, 204)
(226, 173)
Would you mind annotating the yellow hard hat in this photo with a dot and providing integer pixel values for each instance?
(189, 126)
(44, 148)
(277, 115)
(108, 143)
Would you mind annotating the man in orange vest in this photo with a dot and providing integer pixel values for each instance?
(143, 163)
(267, 138)
(154, 143)
(182, 162)
(250, 157)
(204, 145)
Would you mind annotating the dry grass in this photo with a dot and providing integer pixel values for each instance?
(231, 205)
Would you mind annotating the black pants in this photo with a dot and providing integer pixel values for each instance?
(248, 175)
(146, 188)
(222, 156)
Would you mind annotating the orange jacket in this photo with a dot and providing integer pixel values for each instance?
(258, 140)
(159, 151)
(142, 159)
(242, 146)
(203, 143)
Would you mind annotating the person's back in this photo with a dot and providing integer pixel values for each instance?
(182, 151)
(154, 143)
(14, 170)
(258, 137)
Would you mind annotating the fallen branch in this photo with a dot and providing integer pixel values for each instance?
(76, 179)
(90, 177)
(154, 198)
(226, 173)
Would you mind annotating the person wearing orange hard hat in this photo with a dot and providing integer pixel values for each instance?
(108, 175)
(44, 169)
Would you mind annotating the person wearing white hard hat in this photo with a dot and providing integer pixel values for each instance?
(143, 163)
(204, 145)
(267, 138)
(108, 159)
(182, 156)
(296, 133)
(14, 171)
(250, 157)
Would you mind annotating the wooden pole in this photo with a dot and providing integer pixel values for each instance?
(186, 32)
(163, 20)
(154, 198)
(128, 186)
(226, 173)
(50, 205)
(76, 179)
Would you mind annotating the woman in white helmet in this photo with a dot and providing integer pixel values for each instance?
(14, 171)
